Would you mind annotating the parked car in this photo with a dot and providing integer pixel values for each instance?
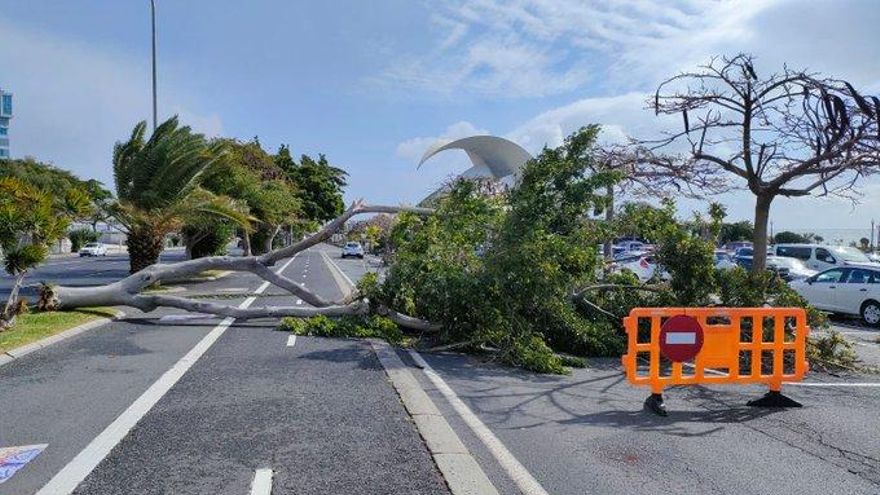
(93, 249)
(789, 268)
(723, 260)
(631, 246)
(352, 249)
(731, 247)
(641, 264)
(845, 290)
(743, 257)
(819, 257)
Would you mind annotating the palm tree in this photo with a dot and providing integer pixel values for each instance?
(157, 183)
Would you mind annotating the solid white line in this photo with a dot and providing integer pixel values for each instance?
(291, 341)
(802, 384)
(262, 484)
(339, 270)
(526, 483)
(66, 480)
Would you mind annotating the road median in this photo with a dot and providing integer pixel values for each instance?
(34, 331)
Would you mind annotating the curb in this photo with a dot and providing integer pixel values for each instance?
(19, 352)
(462, 473)
(345, 284)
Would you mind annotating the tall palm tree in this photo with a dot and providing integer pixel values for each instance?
(157, 183)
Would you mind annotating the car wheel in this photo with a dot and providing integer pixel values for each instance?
(871, 313)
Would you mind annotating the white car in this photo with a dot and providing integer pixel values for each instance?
(819, 257)
(640, 264)
(723, 260)
(845, 290)
(352, 249)
(93, 249)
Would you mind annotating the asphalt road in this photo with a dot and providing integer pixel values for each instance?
(865, 339)
(322, 416)
(588, 433)
(321, 413)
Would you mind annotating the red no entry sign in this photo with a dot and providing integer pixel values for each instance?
(681, 338)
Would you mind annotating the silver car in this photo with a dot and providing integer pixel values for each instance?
(353, 249)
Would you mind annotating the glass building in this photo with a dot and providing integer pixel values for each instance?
(5, 115)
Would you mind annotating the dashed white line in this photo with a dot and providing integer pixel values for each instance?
(291, 341)
(299, 301)
(262, 484)
(524, 480)
(66, 480)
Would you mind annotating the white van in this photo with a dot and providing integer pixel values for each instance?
(819, 257)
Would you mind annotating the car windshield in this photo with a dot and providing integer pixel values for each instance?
(744, 252)
(352, 245)
(850, 254)
(91, 244)
(721, 256)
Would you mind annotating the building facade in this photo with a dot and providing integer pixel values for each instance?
(5, 116)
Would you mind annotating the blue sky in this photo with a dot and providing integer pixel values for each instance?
(373, 84)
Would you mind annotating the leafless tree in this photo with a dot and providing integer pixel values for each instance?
(792, 133)
(647, 173)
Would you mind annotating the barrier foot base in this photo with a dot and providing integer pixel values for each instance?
(774, 399)
(654, 402)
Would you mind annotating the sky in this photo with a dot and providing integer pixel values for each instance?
(373, 84)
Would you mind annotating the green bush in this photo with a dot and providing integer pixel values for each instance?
(208, 240)
(499, 268)
(374, 326)
(81, 237)
(831, 352)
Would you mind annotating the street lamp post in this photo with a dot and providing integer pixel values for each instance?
(153, 18)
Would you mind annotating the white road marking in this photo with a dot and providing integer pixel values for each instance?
(262, 484)
(291, 341)
(185, 317)
(299, 301)
(842, 384)
(332, 264)
(66, 480)
(524, 480)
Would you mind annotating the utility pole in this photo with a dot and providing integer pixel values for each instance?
(153, 17)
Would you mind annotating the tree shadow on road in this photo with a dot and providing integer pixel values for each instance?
(689, 423)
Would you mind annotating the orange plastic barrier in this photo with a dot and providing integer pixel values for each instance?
(689, 346)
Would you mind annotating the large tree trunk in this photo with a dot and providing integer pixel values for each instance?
(246, 243)
(608, 248)
(127, 292)
(145, 245)
(762, 217)
(10, 311)
(270, 239)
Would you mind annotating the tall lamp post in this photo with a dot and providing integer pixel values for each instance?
(153, 18)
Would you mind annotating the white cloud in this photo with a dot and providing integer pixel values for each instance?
(529, 48)
(73, 101)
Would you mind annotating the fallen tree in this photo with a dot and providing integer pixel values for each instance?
(129, 291)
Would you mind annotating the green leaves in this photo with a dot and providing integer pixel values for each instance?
(22, 258)
(499, 269)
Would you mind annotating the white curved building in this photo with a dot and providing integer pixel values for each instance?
(491, 157)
